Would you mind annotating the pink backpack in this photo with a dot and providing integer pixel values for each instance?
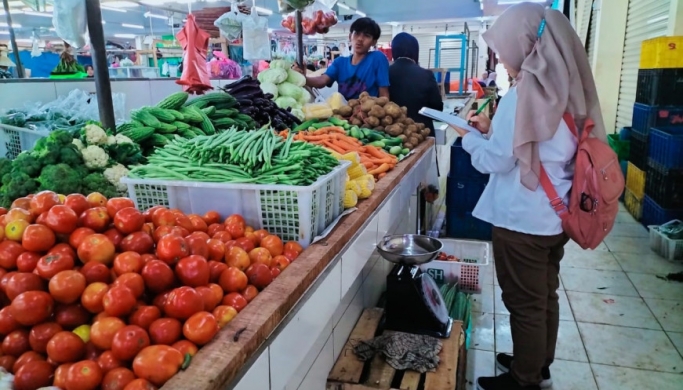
(596, 188)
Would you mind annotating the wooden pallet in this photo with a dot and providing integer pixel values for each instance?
(350, 373)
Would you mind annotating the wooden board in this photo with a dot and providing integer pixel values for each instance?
(218, 363)
(350, 373)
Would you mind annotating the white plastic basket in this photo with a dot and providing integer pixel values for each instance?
(14, 140)
(468, 272)
(664, 246)
(293, 213)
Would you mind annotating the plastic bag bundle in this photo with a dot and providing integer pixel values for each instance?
(230, 23)
(70, 22)
(299, 4)
(317, 18)
(255, 39)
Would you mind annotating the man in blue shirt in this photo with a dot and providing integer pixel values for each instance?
(364, 71)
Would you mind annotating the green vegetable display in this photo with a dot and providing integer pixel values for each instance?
(234, 156)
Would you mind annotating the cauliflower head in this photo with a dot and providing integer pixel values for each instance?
(94, 135)
(114, 175)
(78, 144)
(122, 139)
(95, 157)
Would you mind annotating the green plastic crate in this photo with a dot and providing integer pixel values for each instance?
(621, 148)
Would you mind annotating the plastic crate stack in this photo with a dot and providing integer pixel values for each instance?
(654, 179)
(464, 188)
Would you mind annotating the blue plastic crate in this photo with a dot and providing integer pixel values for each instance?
(466, 226)
(665, 146)
(462, 194)
(654, 214)
(461, 163)
(638, 150)
(646, 117)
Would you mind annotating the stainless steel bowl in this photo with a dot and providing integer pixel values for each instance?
(409, 249)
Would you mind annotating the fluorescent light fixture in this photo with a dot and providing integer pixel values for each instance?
(510, 2)
(361, 14)
(264, 11)
(112, 9)
(43, 14)
(15, 25)
(4, 32)
(342, 5)
(151, 15)
(133, 26)
(128, 36)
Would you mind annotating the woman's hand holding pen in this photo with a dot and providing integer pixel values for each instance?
(480, 122)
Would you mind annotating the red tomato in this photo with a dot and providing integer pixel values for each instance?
(42, 333)
(33, 375)
(143, 316)
(163, 217)
(50, 265)
(198, 245)
(200, 328)
(97, 248)
(215, 228)
(236, 230)
(158, 276)
(9, 251)
(211, 217)
(273, 244)
(64, 249)
(67, 286)
(139, 242)
(128, 262)
(235, 300)
(84, 375)
(114, 236)
(193, 271)
(128, 341)
(91, 352)
(93, 295)
(117, 378)
(107, 361)
(210, 299)
(172, 248)
(184, 222)
(275, 272)
(61, 219)
(165, 331)
(26, 262)
(222, 236)
(259, 275)
(261, 255)
(233, 280)
(96, 219)
(133, 282)
(237, 257)
(147, 257)
(245, 243)
(77, 202)
(20, 282)
(249, 293)
(216, 268)
(102, 331)
(140, 384)
(7, 322)
(224, 314)
(32, 307)
(182, 302)
(15, 344)
(158, 363)
(7, 362)
(60, 375)
(96, 272)
(38, 238)
(21, 203)
(235, 219)
(65, 347)
(198, 224)
(118, 301)
(71, 316)
(280, 262)
(78, 235)
(43, 201)
(114, 205)
(149, 213)
(129, 220)
(216, 249)
(95, 199)
(160, 300)
(185, 347)
(294, 247)
(26, 357)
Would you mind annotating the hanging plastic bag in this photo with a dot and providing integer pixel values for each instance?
(255, 39)
(299, 4)
(316, 19)
(70, 22)
(195, 43)
(283, 7)
(35, 47)
(230, 23)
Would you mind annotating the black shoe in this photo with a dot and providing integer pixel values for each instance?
(504, 362)
(502, 382)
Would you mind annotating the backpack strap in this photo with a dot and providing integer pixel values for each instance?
(556, 202)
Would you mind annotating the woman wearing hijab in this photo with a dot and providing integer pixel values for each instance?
(541, 51)
(490, 80)
(409, 84)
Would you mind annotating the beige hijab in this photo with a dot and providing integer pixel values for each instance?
(554, 78)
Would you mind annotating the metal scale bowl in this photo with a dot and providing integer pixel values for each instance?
(413, 301)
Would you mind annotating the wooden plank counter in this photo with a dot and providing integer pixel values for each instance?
(220, 362)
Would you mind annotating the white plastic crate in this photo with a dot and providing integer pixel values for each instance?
(469, 271)
(664, 246)
(14, 140)
(293, 213)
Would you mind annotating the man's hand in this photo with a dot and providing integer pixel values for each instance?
(299, 69)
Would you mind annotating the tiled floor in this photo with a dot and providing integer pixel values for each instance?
(621, 324)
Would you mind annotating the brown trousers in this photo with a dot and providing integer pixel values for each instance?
(528, 269)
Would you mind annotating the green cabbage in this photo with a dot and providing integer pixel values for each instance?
(304, 98)
(288, 89)
(297, 112)
(286, 102)
(275, 76)
(280, 64)
(296, 78)
(270, 88)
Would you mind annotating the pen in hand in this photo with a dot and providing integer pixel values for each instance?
(486, 102)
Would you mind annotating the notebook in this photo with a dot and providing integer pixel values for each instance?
(452, 120)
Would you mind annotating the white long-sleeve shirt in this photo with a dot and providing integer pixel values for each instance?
(506, 203)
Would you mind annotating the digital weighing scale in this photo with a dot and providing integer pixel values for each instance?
(413, 301)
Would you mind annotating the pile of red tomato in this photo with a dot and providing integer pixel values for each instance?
(98, 295)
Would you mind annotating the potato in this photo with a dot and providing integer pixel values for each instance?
(372, 121)
(409, 122)
(425, 132)
(412, 129)
(379, 128)
(367, 105)
(345, 111)
(387, 120)
(382, 101)
(414, 140)
(404, 110)
(377, 112)
(403, 137)
(420, 126)
(409, 145)
(364, 94)
(353, 103)
(419, 136)
(338, 116)
(392, 109)
(356, 122)
(393, 130)
(402, 118)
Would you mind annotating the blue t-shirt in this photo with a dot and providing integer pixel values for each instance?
(369, 75)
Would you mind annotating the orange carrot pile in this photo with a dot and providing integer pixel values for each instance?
(376, 161)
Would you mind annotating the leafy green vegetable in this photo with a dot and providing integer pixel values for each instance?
(17, 184)
(289, 90)
(273, 75)
(60, 178)
(96, 182)
(270, 88)
(296, 78)
(286, 102)
(126, 153)
(28, 164)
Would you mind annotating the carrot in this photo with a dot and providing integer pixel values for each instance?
(368, 164)
(381, 175)
(376, 152)
(345, 144)
(330, 145)
(382, 169)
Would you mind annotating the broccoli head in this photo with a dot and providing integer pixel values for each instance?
(27, 163)
(5, 166)
(19, 185)
(70, 155)
(61, 137)
(48, 149)
(61, 179)
(126, 154)
(96, 182)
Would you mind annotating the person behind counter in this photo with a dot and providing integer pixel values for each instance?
(90, 71)
(365, 71)
(540, 49)
(411, 85)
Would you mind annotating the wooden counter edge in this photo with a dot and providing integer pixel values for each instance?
(219, 362)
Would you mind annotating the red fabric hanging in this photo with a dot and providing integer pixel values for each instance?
(195, 42)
